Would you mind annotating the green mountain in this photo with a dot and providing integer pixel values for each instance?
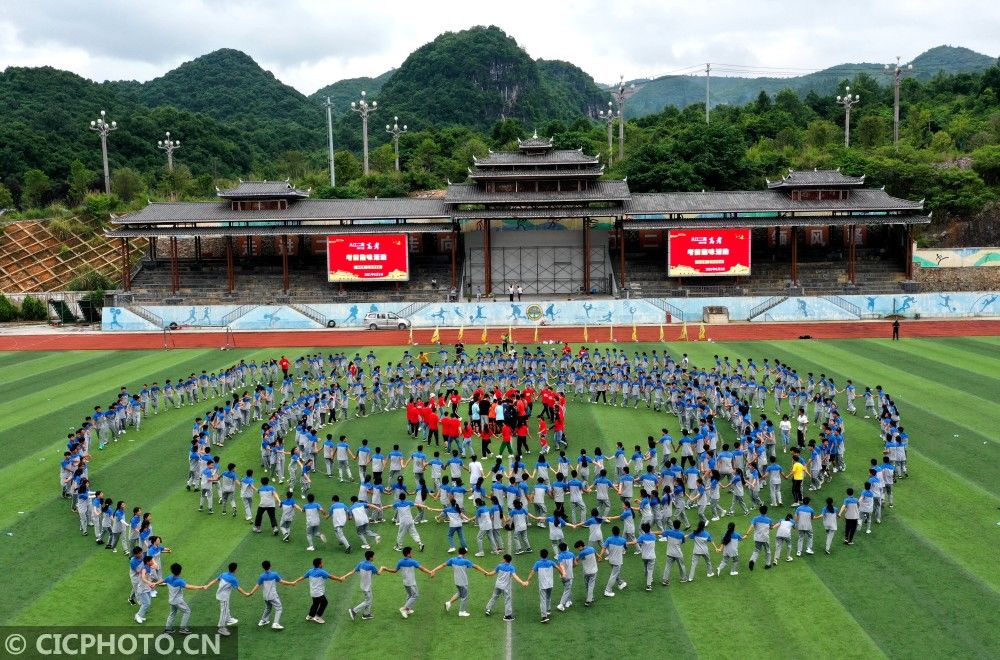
(474, 77)
(229, 85)
(655, 94)
(47, 113)
(342, 92)
(572, 87)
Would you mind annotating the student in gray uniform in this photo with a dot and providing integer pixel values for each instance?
(783, 537)
(646, 542)
(408, 567)
(588, 557)
(614, 548)
(829, 516)
(227, 582)
(760, 525)
(365, 570)
(175, 598)
(675, 554)
(545, 569)
(268, 584)
(144, 587)
(460, 566)
(730, 550)
(567, 560)
(405, 522)
(506, 575)
(804, 526)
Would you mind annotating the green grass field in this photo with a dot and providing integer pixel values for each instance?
(925, 583)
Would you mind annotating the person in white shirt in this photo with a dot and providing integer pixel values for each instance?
(475, 468)
(802, 426)
(785, 426)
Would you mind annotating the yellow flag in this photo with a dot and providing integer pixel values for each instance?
(635, 333)
(661, 332)
(411, 335)
(684, 332)
(611, 333)
(485, 338)
(436, 337)
(702, 335)
(510, 334)
(586, 334)
(536, 334)
(461, 332)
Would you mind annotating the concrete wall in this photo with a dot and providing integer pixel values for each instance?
(575, 312)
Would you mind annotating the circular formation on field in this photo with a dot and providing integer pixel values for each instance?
(626, 496)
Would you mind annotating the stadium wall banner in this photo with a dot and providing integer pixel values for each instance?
(957, 257)
(368, 257)
(593, 313)
(708, 252)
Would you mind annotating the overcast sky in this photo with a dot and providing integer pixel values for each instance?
(310, 43)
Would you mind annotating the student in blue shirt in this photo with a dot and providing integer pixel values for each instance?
(267, 583)
(614, 549)
(365, 570)
(760, 526)
(407, 567)
(175, 598)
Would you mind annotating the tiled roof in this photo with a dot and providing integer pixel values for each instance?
(555, 157)
(534, 142)
(273, 189)
(297, 230)
(470, 193)
(528, 173)
(788, 221)
(308, 209)
(540, 212)
(862, 199)
(816, 178)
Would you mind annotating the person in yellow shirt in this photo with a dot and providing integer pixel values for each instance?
(797, 473)
(423, 357)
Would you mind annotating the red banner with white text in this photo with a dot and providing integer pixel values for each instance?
(699, 252)
(365, 257)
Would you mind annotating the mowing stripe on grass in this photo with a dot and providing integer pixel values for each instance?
(919, 416)
(953, 379)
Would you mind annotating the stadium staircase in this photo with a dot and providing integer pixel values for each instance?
(766, 306)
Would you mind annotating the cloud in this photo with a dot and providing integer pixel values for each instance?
(310, 43)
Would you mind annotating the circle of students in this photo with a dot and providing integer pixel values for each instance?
(498, 390)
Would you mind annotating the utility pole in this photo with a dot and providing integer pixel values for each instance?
(609, 118)
(395, 131)
(897, 71)
(329, 134)
(708, 84)
(364, 109)
(102, 126)
(848, 102)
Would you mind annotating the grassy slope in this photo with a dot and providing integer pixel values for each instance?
(922, 583)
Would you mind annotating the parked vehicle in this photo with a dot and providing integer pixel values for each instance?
(386, 321)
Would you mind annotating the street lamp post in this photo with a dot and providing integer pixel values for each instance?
(329, 133)
(897, 71)
(619, 97)
(103, 127)
(364, 109)
(169, 145)
(609, 118)
(395, 131)
(848, 102)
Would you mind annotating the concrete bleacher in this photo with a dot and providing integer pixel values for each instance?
(205, 283)
(646, 277)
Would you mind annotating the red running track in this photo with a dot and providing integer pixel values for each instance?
(71, 340)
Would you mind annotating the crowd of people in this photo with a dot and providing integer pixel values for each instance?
(666, 488)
